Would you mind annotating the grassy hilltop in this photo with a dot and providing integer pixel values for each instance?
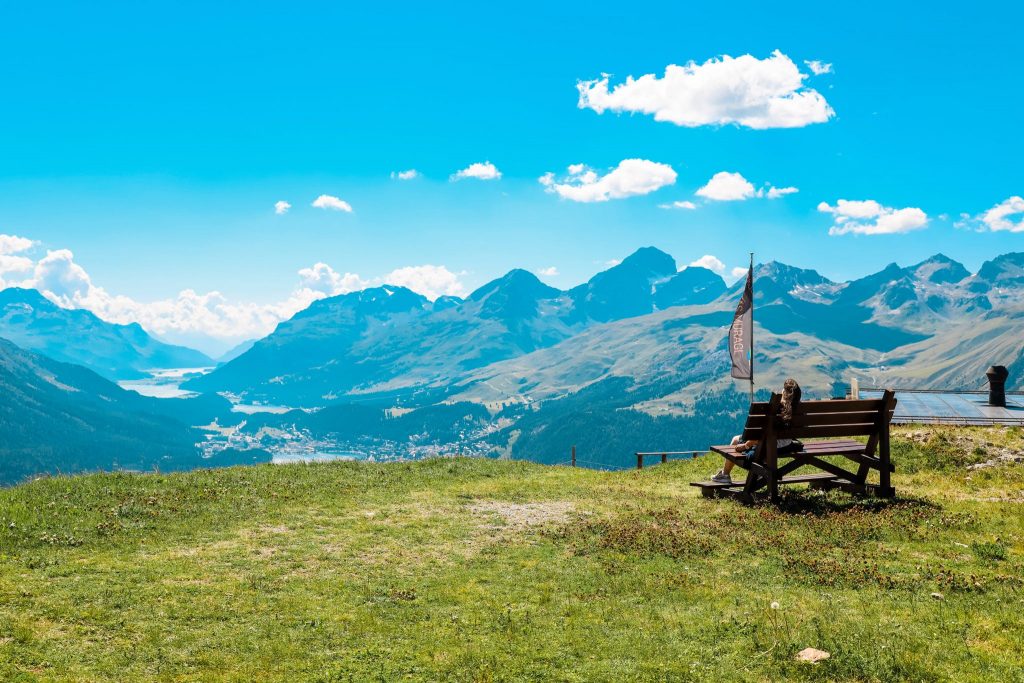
(478, 570)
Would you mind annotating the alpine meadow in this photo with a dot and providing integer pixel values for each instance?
(532, 342)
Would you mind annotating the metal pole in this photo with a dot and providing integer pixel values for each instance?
(751, 327)
(574, 456)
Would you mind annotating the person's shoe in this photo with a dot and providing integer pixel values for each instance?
(722, 478)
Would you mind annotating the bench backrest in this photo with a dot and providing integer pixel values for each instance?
(822, 419)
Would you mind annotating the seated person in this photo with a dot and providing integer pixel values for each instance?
(790, 399)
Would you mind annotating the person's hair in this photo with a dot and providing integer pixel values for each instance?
(790, 399)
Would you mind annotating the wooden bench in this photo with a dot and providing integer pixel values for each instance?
(831, 420)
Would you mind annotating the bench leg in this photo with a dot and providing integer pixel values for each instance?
(773, 487)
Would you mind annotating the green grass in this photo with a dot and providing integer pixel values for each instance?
(479, 570)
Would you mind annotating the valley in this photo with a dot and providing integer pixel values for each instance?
(633, 359)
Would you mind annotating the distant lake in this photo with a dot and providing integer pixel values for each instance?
(166, 383)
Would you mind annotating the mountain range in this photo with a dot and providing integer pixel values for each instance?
(516, 337)
(33, 322)
(57, 417)
(632, 359)
(391, 341)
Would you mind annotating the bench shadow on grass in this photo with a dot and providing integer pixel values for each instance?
(823, 504)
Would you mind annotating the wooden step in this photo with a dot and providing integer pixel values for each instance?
(715, 484)
(808, 478)
(795, 479)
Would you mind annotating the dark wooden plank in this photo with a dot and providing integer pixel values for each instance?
(823, 419)
(867, 460)
(883, 444)
(843, 406)
(889, 398)
(835, 470)
(830, 430)
(801, 420)
(794, 464)
(806, 478)
(712, 484)
(837, 446)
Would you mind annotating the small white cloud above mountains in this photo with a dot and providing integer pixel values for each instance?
(1006, 216)
(428, 280)
(744, 91)
(481, 170)
(281, 207)
(678, 205)
(13, 265)
(868, 217)
(727, 187)
(731, 187)
(323, 279)
(326, 201)
(712, 263)
(776, 192)
(818, 67)
(550, 271)
(411, 174)
(13, 244)
(630, 178)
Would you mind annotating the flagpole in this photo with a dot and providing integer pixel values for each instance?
(751, 328)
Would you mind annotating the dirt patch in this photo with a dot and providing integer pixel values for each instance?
(521, 516)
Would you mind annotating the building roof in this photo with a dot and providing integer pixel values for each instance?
(952, 407)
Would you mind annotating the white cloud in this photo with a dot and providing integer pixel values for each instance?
(738, 272)
(13, 244)
(725, 187)
(326, 201)
(58, 274)
(479, 170)
(776, 192)
(1007, 216)
(411, 174)
(208, 319)
(630, 178)
(430, 281)
(731, 187)
(818, 67)
(710, 262)
(678, 205)
(281, 207)
(321, 278)
(13, 267)
(550, 271)
(868, 217)
(745, 91)
(611, 263)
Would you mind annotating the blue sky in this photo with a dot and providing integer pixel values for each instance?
(153, 139)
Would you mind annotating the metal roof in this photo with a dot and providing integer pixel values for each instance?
(952, 407)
